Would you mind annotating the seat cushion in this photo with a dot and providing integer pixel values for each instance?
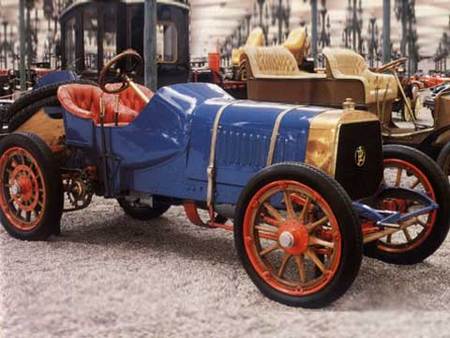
(271, 61)
(297, 43)
(130, 99)
(347, 64)
(84, 101)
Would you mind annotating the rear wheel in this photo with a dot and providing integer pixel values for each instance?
(141, 211)
(444, 159)
(31, 102)
(409, 168)
(31, 195)
(297, 235)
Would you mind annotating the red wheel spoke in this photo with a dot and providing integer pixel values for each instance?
(270, 221)
(268, 235)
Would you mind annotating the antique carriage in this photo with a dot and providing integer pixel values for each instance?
(308, 188)
(92, 32)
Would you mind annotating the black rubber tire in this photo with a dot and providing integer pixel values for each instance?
(143, 212)
(51, 220)
(443, 159)
(46, 95)
(442, 192)
(341, 205)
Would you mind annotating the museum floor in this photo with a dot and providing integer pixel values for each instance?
(108, 275)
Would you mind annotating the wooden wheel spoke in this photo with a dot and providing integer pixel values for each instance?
(305, 209)
(265, 229)
(312, 255)
(407, 235)
(273, 212)
(310, 227)
(389, 239)
(318, 241)
(398, 177)
(284, 263)
(415, 184)
(301, 268)
(289, 206)
(269, 249)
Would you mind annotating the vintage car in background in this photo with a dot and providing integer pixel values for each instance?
(273, 75)
(308, 187)
(233, 78)
(93, 32)
(430, 100)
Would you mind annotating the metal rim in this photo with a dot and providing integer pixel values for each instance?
(292, 238)
(417, 180)
(23, 193)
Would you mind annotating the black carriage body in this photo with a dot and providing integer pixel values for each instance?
(92, 32)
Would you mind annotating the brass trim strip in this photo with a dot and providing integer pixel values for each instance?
(212, 154)
(275, 133)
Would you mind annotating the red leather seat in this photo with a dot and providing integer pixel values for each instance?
(84, 101)
(130, 99)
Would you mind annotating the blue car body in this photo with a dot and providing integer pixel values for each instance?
(165, 150)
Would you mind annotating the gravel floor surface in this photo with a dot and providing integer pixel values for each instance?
(110, 276)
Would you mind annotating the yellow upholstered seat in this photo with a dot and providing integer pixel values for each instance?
(297, 43)
(274, 62)
(255, 39)
(347, 64)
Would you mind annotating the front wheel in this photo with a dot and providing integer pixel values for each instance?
(409, 168)
(31, 194)
(297, 235)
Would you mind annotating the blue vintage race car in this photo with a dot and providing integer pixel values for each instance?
(308, 188)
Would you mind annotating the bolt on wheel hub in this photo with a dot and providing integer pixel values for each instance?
(286, 240)
(293, 237)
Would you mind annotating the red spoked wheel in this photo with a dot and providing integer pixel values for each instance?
(31, 195)
(408, 168)
(291, 236)
(305, 234)
(23, 192)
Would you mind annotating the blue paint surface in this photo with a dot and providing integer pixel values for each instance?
(165, 150)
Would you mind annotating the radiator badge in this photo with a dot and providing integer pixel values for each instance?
(360, 156)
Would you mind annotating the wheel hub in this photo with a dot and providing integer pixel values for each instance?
(293, 237)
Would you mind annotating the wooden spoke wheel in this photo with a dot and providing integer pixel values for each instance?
(31, 196)
(292, 239)
(23, 190)
(411, 169)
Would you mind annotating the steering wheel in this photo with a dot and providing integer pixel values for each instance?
(391, 65)
(123, 66)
